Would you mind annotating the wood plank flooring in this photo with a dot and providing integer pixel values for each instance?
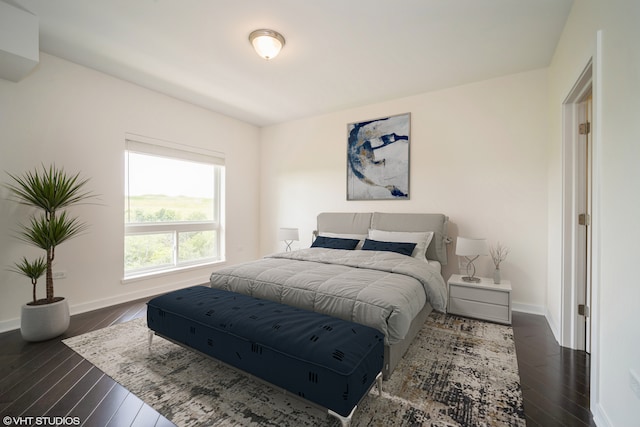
(554, 379)
(49, 379)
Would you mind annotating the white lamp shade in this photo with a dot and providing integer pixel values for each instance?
(466, 246)
(267, 43)
(288, 234)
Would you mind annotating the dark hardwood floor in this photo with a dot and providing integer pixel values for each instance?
(554, 379)
(49, 379)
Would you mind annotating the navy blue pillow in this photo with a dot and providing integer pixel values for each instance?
(334, 243)
(399, 247)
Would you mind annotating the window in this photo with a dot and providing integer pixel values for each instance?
(173, 203)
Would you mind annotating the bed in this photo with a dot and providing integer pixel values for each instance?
(388, 278)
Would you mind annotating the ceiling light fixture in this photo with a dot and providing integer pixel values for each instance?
(267, 43)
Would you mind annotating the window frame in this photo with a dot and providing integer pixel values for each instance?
(158, 148)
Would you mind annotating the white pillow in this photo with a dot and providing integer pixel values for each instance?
(421, 239)
(360, 237)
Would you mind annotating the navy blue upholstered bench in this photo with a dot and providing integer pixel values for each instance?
(328, 361)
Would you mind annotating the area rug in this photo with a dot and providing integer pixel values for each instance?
(457, 372)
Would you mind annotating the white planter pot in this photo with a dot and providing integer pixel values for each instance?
(43, 322)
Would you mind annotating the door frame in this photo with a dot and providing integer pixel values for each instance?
(568, 336)
(572, 327)
(567, 328)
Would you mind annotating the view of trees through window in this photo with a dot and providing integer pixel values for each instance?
(171, 213)
(157, 249)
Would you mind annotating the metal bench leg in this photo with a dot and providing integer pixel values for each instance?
(344, 421)
(151, 334)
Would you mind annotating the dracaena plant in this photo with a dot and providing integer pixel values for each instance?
(33, 270)
(49, 190)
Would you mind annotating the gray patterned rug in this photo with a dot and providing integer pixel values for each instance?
(458, 372)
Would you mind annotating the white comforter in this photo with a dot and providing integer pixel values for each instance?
(383, 290)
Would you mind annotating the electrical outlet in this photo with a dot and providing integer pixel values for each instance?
(59, 274)
(634, 382)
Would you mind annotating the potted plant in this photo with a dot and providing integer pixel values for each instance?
(50, 191)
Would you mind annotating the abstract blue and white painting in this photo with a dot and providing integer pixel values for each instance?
(378, 158)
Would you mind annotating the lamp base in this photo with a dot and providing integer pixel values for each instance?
(471, 279)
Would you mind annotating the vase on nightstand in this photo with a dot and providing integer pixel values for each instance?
(496, 276)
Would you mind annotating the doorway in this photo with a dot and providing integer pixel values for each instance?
(578, 218)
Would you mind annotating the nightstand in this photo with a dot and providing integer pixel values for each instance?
(484, 300)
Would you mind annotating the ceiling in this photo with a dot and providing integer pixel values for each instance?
(338, 53)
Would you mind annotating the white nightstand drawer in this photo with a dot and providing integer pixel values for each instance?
(479, 295)
(463, 307)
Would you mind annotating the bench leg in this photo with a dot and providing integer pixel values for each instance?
(344, 421)
(151, 334)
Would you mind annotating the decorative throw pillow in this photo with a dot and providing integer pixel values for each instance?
(421, 239)
(334, 243)
(360, 237)
(403, 248)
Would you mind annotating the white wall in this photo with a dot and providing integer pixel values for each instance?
(77, 118)
(616, 336)
(478, 154)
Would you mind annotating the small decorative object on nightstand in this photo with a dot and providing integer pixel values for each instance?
(483, 300)
(288, 235)
(498, 254)
(471, 249)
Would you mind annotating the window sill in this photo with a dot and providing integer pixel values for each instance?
(171, 272)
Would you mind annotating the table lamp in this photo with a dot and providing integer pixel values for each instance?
(471, 249)
(288, 235)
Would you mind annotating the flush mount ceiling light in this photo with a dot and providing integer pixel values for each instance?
(267, 43)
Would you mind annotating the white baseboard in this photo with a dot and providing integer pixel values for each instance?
(9, 325)
(555, 328)
(528, 308)
(540, 311)
(600, 417)
(12, 324)
(122, 298)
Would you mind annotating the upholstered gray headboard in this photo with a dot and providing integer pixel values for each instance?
(361, 222)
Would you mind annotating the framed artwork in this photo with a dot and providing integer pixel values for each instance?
(378, 158)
